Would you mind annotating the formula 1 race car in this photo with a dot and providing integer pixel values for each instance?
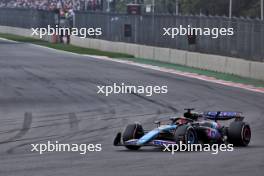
(192, 128)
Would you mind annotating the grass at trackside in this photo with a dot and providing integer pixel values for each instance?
(81, 50)
(70, 48)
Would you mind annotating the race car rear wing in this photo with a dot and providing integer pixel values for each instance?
(223, 115)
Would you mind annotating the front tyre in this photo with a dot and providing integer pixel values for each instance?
(185, 134)
(239, 133)
(132, 131)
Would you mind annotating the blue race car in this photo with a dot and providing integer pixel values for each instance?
(192, 128)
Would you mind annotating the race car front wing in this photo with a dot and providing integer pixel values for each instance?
(134, 142)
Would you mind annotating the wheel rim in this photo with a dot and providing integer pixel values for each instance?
(246, 134)
(191, 137)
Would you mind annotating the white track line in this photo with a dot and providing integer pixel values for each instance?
(8, 40)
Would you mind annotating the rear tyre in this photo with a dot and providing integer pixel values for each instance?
(239, 133)
(132, 131)
(185, 134)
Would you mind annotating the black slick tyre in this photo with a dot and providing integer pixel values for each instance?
(185, 134)
(239, 133)
(132, 131)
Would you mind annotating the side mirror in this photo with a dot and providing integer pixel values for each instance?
(173, 119)
(157, 123)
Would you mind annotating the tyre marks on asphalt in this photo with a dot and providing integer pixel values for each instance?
(25, 128)
(74, 122)
(69, 118)
(159, 103)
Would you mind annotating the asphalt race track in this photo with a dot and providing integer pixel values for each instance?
(59, 89)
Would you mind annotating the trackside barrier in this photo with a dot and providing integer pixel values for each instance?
(222, 64)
